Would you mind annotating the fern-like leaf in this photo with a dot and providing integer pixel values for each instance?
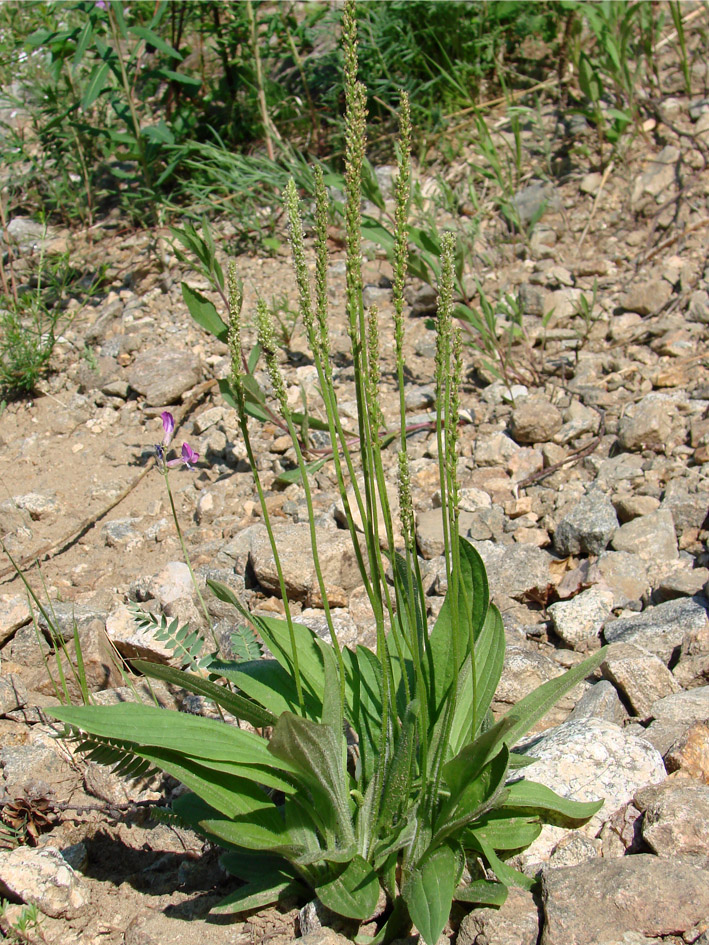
(120, 756)
(245, 644)
(187, 646)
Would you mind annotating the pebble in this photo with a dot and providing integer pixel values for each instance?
(587, 527)
(43, 878)
(645, 894)
(578, 622)
(641, 677)
(535, 420)
(652, 537)
(162, 375)
(660, 629)
(651, 424)
(676, 818)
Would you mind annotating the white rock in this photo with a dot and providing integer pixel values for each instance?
(588, 759)
(43, 878)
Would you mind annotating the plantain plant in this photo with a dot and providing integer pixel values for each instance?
(362, 769)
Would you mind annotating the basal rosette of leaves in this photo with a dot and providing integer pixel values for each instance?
(298, 816)
(362, 769)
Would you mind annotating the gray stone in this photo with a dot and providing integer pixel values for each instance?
(13, 693)
(14, 613)
(698, 309)
(689, 509)
(532, 201)
(660, 629)
(337, 561)
(658, 179)
(647, 298)
(590, 759)
(514, 570)
(322, 936)
(601, 702)
(676, 818)
(587, 527)
(43, 878)
(685, 707)
(375, 295)
(514, 923)
(122, 533)
(423, 301)
(578, 622)
(629, 507)
(652, 537)
(524, 670)
(639, 675)
(171, 583)
(40, 766)
(535, 420)
(64, 617)
(429, 531)
(652, 424)
(39, 507)
(683, 582)
(495, 450)
(134, 642)
(573, 849)
(625, 574)
(600, 901)
(162, 375)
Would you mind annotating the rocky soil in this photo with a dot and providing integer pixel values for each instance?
(585, 488)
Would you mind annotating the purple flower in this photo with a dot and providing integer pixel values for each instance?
(189, 457)
(168, 425)
(101, 4)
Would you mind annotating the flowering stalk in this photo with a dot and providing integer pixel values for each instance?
(236, 298)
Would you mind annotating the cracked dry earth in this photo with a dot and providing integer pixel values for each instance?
(587, 494)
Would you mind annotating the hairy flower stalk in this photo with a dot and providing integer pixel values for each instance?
(237, 381)
(355, 143)
(319, 340)
(267, 341)
(446, 436)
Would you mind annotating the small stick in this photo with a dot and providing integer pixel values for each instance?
(606, 175)
(53, 549)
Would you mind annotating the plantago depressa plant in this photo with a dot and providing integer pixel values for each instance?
(434, 801)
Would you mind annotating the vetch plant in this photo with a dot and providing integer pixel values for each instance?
(362, 769)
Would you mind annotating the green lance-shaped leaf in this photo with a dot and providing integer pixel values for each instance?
(268, 683)
(204, 313)
(440, 648)
(353, 892)
(482, 892)
(153, 39)
(316, 753)
(239, 706)
(506, 874)
(260, 830)
(276, 634)
(397, 776)
(529, 797)
(260, 893)
(96, 85)
(428, 891)
(535, 706)
(145, 727)
(501, 830)
(474, 798)
(220, 787)
(363, 692)
(489, 662)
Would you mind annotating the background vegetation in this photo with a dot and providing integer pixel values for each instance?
(155, 113)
